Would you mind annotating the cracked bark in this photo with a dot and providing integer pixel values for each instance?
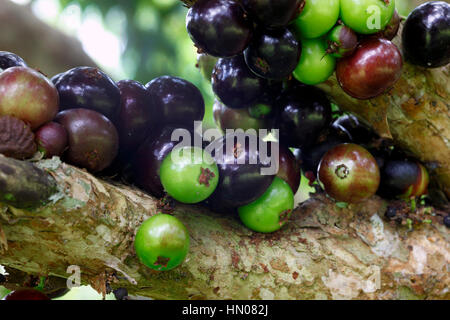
(325, 252)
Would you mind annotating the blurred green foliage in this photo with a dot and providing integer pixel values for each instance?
(155, 38)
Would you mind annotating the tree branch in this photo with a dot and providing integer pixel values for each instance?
(324, 252)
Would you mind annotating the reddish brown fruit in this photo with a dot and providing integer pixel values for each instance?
(28, 95)
(16, 138)
(52, 139)
(374, 67)
(349, 173)
(93, 139)
(26, 294)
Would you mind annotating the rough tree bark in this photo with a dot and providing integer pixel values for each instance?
(325, 252)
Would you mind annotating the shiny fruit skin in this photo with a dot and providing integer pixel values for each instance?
(311, 156)
(289, 168)
(315, 65)
(190, 179)
(26, 294)
(367, 16)
(426, 35)
(229, 118)
(176, 101)
(89, 88)
(342, 41)
(235, 85)
(375, 66)
(403, 179)
(162, 242)
(219, 28)
(148, 158)
(354, 129)
(9, 60)
(317, 18)
(349, 173)
(93, 139)
(302, 114)
(273, 54)
(52, 139)
(136, 116)
(271, 211)
(273, 13)
(240, 178)
(28, 95)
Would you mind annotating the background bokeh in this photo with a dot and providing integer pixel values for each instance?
(139, 40)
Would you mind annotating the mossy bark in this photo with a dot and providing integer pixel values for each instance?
(325, 252)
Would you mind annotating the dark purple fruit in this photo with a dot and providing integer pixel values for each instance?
(56, 77)
(137, 115)
(52, 139)
(403, 178)
(9, 60)
(303, 113)
(273, 13)
(235, 85)
(289, 168)
(16, 138)
(26, 294)
(342, 41)
(229, 118)
(273, 54)
(89, 88)
(93, 139)
(447, 221)
(426, 35)
(176, 101)
(149, 157)
(349, 173)
(240, 177)
(354, 129)
(220, 28)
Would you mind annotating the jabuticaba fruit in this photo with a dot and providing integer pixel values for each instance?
(89, 88)
(93, 139)
(403, 179)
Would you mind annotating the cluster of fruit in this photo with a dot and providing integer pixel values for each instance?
(263, 41)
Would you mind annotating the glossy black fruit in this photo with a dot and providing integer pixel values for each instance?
(403, 178)
(235, 85)
(220, 28)
(137, 115)
(9, 60)
(149, 157)
(273, 13)
(241, 180)
(229, 118)
(176, 101)
(357, 131)
(303, 113)
(89, 88)
(426, 35)
(447, 221)
(93, 139)
(273, 54)
(289, 168)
